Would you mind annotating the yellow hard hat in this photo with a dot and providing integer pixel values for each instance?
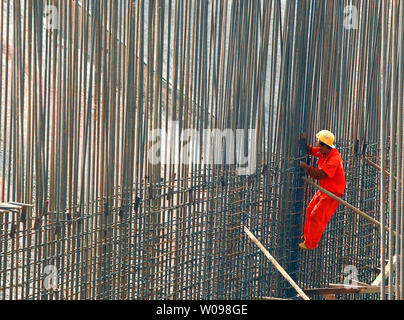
(326, 137)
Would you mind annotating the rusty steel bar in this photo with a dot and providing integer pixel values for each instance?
(94, 93)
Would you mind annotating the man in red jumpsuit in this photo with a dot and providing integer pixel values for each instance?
(330, 176)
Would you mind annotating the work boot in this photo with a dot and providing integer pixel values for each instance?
(303, 246)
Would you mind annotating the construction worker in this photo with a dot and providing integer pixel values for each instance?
(330, 176)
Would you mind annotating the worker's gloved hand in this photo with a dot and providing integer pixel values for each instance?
(315, 173)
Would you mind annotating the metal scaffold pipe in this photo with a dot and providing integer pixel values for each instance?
(346, 204)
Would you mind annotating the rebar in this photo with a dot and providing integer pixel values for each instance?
(90, 87)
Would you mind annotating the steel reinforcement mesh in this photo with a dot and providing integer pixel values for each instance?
(189, 243)
(83, 87)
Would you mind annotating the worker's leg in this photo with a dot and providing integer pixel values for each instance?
(309, 210)
(319, 217)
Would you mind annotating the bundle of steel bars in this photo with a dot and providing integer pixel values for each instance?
(89, 88)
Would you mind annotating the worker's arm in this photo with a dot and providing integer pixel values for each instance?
(315, 173)
(311, 151)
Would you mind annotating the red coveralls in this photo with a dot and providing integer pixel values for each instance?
(322, 207)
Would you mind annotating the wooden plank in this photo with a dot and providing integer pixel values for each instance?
(276, 264)
(341, 285)
(273, 298)
(8, 206)
(343, 290)
(22, 204)
(378, 279)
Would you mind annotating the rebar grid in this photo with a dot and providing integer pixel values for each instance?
(78, 104)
